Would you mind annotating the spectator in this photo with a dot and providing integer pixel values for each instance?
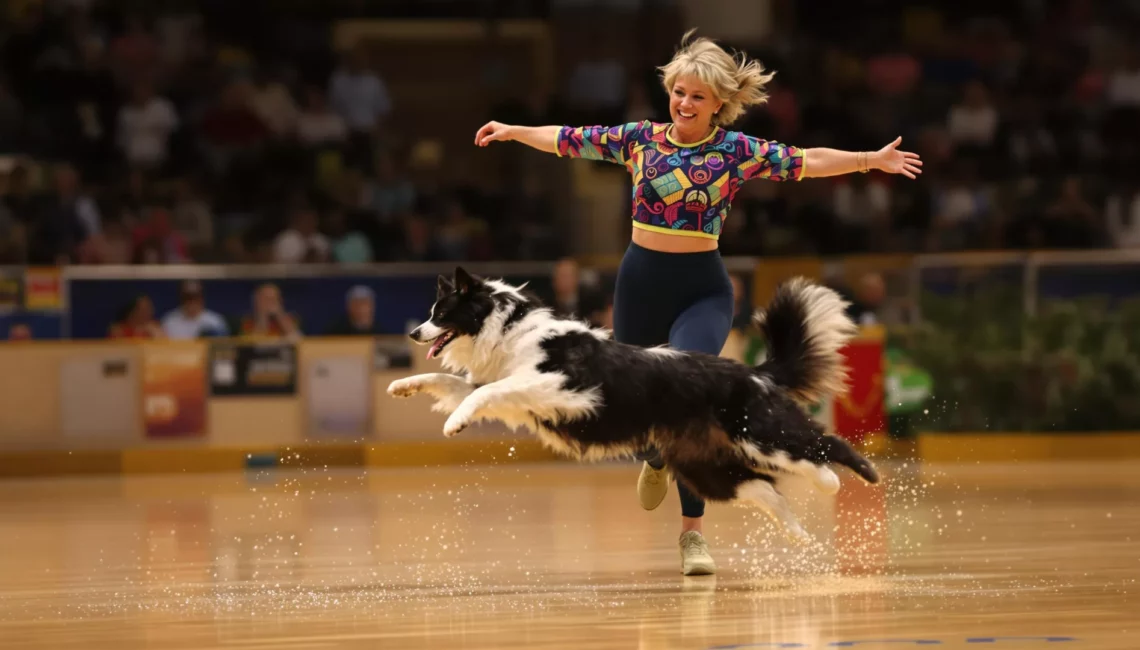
(157, 242)
(301, 242)
(19, 332)
(94, 99)
(1071, 221)
(1122, 215)
(191, 319)
(318, 125)
(862, 207)
(960, 206)
(460, 236)
(113, 245)
(269, 318)
(973, 123)
(272, 102)
(71, 196)
(361, 98)
(418, 244)
(1124, 82)
(574, 296)
(870, 295)
(231, 128)
(348, 246)
(389, 193)
(68, 218)
(1032, 145)
(136, 321)
(360, 314)
(145, 126)
(192, 214)
(566, 285)
(20, 199)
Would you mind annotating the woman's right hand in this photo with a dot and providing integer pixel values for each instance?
(492, 132)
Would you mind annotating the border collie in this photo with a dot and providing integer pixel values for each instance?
(729, 431)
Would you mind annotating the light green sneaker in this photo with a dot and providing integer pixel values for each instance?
(652, 486)
(695, 558)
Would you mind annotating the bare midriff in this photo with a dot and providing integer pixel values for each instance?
(665, 243)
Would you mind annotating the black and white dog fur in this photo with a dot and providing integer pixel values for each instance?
(729, 431)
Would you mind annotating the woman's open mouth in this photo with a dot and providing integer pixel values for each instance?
(439, 343)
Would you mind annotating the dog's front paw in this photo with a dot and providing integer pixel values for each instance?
(404, 387)
(455, 424)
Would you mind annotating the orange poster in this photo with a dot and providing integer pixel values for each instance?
(174, 389)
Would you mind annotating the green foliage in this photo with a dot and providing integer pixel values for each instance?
(1074, 366)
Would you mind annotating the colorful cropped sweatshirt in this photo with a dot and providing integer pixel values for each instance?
(682, 189)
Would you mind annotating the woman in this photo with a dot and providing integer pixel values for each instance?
(672, 286)
(136, 321)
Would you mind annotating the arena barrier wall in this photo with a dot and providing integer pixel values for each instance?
(226, 404)
(95, 407)
(83, 404)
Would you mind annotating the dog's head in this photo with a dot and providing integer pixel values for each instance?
(462, 305)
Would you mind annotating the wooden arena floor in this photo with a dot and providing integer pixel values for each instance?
(561, 556)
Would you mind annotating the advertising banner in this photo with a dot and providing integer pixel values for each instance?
(248, 368)
(43, 289)
(174, 390)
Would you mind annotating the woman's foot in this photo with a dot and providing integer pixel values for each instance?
(695, 558)
(652, 486)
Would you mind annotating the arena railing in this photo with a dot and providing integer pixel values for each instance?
(79, 301)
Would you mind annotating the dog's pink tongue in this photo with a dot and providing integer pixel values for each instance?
(433, 348)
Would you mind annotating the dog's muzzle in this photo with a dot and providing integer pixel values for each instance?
(437, 336)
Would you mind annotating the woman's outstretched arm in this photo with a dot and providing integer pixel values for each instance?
(608, 143)
(820, 161)
(543, 138)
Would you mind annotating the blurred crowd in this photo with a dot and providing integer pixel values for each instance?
(191, 131)
(176, 132)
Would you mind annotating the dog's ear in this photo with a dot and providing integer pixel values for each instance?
(443, 286)
(464, 281)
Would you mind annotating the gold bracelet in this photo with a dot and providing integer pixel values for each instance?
(863, 168)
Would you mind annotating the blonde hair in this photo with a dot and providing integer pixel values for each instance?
(737, 81)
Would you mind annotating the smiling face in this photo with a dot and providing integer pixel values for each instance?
(692, 105)
(461, 306)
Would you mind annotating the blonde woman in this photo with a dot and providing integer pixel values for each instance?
(672, 286)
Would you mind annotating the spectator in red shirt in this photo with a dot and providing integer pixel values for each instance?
(231, 127)
(157, 242)
(137, 321)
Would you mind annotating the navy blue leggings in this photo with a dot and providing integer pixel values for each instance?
(683, 299)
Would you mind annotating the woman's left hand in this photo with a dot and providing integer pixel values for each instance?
(889, 159)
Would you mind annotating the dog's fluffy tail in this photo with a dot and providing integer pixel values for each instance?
(805, 326)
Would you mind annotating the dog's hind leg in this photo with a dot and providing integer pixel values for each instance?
(518, 397)
(447, 389)
(765, 495)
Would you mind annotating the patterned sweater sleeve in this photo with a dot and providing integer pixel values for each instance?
(769, 160)
(609, 143)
